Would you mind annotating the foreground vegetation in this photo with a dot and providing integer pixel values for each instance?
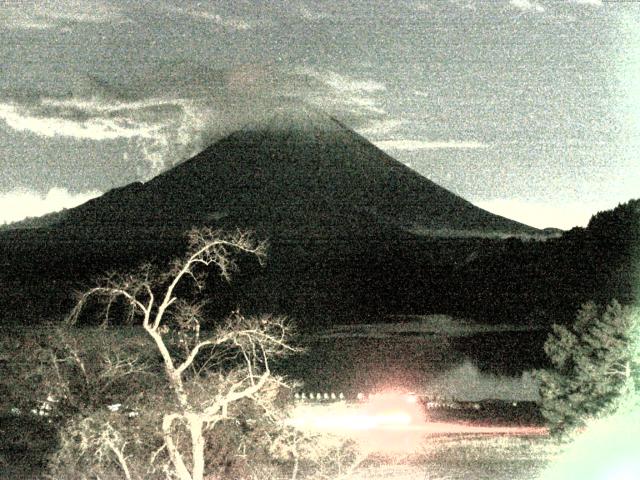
(183, 398)
(140, 383)
(32, 441)
(591, 396)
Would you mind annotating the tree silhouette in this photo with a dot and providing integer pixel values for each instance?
(191, 354)
(595, 363)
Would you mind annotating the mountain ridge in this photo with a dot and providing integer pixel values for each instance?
(342, 219)
(276, 178)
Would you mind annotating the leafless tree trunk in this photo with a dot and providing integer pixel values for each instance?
(153, 298)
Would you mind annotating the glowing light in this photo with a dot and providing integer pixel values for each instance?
(393, 418)
(388, 410)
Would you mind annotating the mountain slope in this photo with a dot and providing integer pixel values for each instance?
(338, 214)
(300, 173)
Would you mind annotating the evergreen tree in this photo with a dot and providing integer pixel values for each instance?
(595, 366)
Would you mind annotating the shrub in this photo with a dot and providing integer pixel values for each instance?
(595, 366)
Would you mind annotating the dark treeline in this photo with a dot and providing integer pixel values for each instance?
(355, 278)
(536, 281)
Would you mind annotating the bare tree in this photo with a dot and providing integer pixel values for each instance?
(188, 351)
(320, 455)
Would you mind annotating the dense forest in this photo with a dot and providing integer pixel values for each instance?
(486, 279)
(545, 281)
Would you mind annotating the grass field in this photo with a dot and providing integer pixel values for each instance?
(486, 457)
(414, 447)
(464, 458)
(438, 455)
(441, 454)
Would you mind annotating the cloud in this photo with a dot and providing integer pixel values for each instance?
(210, 15)
(426, 144)
(172, 111)
(24, 23)
(343, 83)
(381, 127)
(595, 3)
(46, 14)
(423, 7)
(527, 5)
(359, 110)
(544, 214)
(311, 15)
(339, 93)
(162, 128)
(232, 23)
(20, 204)
(50, 124)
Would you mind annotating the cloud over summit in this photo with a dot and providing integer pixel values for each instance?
(171, 113)
(162, 128)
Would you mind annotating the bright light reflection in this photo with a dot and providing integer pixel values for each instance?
(389, 424)
(381, 411)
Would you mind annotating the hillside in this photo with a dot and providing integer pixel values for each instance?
(338, 213)
(295, 175)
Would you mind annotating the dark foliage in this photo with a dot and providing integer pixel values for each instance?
(594, 363)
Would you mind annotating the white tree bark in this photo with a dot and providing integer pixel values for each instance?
(256, 340)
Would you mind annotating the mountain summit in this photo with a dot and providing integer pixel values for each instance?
(298, 173)
(350, 229)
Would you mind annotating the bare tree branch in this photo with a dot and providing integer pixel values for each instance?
(254, 340)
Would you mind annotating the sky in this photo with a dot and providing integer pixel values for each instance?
(527, 108)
